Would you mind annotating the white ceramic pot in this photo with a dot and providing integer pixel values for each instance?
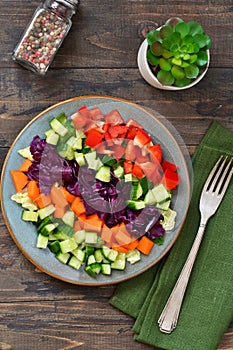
(148, 75)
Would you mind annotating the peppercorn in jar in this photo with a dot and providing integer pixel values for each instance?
(44, 34)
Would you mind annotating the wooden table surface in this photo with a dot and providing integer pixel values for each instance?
(98, 57)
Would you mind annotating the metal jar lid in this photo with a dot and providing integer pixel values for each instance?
(71, 3)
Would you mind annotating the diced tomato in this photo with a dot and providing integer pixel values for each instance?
(149, 169)
(137, 171)
(101, 148)
(118, 151)
(168, 165)
(106, 126)
(95, 113)
(128, 167)
(79, 120)
(157, 176)
(84, 111)
(138, 151)
(131, 122)
(156, 153)
(142, 159)
(91, 125)
(114, 117)
(130, 151)
(141, 138)
(170, 179)
(108, 139)
(117, 131)
(131, 133)
(94, 138)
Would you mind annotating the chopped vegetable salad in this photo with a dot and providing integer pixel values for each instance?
(98, 190)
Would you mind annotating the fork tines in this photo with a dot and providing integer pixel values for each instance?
(220, 176)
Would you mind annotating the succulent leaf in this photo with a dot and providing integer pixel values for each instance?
(164, 64)
(165, 78)
(170, 40)
(178, 51)
(156, 48)
(202, 58)
(152, 36)
(182, 28)
(191, 71)
(167, 54)
(152, 59)
(173, 21)
(165, 31)
(178, 72)
(182, 82)
(195, 28)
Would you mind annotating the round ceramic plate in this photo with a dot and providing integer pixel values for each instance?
(24, 233)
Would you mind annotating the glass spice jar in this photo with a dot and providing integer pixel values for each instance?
(44, 34)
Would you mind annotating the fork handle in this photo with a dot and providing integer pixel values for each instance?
(169, 316)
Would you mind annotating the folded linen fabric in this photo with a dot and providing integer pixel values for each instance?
(208, 304)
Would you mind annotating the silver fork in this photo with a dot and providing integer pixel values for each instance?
(211, 196)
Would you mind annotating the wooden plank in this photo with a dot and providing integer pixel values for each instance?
(106, 33)
(201, 104)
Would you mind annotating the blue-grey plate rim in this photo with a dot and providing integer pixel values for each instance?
(24, 233)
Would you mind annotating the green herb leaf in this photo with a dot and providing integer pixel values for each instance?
(159, 240)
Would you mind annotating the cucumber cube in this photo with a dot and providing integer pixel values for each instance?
(91, 238)
(106, 269)
(160, 193)
(119, 263)
(79, 254)
(46, 211)
(68, 245)
(63, 257)
(103, 174)
(42, 241)
(28, 215)
(75, 263)
(79, 236)
(68, 218)
(91, 260)
(80, 159)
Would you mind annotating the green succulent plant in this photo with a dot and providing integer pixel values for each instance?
(177, 52)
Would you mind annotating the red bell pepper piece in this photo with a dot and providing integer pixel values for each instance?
(156, 153)
(170, 179)
(141, 138)
(128, 167)
(94, 138)
(137, 171)
(169, 165)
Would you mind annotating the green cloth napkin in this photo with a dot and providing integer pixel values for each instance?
(207, 308)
